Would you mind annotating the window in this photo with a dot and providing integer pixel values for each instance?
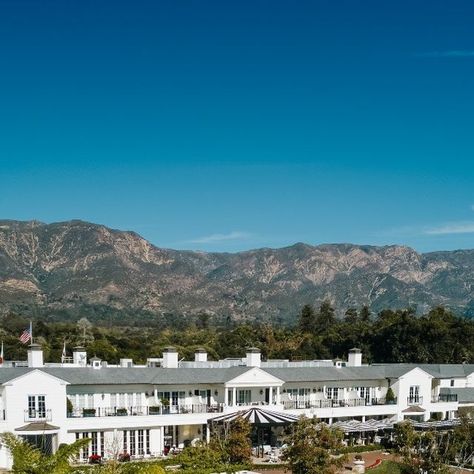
(125, 444)
(85, 400)
(414, 396)
(148, 451)
(102, 447)
(132, 443)
(122, 402)
(140, 442)
(364, 392)
(244, 397)
(332, 393)
(174, 398)
(85, 450)
(37, 406)
(94, 442)
(452, 383)
(292, 392)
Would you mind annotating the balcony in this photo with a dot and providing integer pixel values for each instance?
(445, 397)
(144, 411)
(415, 400)
(357, 402)
(37, 415)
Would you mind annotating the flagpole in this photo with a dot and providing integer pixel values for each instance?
(31, 332)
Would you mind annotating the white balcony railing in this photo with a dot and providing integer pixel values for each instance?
(37, 415)
(144, 410)
(357, 402)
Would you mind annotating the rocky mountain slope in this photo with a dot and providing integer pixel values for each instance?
(75, 264)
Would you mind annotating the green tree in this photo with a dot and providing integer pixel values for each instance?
(326, 317)
(460, 446)
(364, 314)
(311, 446)
(420, 451)
(307, 319)
(237, 444)
(28, 459)
(199, 457)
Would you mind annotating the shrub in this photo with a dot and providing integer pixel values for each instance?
(88, 412)
(390, 396)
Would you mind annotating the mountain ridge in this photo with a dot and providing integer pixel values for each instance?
(73, 264)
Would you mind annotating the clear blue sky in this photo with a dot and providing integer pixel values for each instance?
(230, 125)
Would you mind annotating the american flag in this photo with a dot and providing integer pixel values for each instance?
(25, 336)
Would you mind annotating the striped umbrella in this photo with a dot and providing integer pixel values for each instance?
(354, 426)
(436, 425)
(258, 416)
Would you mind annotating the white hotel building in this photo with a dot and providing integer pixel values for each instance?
(145, 409)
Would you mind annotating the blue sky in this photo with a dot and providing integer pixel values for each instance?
(233, 125)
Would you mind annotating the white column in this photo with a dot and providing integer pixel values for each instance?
(277, 400)
(270, 396)
(161, 441)
(226, 396)
(208, 434)
(234, 396)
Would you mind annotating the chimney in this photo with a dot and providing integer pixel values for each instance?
(35, 356)
(170, 358)
(355, 358)
(253, 357)
(200, 355)
(126, 362)
(79, 356)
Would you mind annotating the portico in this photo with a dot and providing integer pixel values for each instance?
(254, 387)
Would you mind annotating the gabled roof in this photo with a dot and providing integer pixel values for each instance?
(438, 371)
(7, 375)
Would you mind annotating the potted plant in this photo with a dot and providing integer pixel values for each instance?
(165, 404)
(95, 459)
(390, 397)
(124, 457)
(87, 412)
(154, 410)
(69, 407)
(122, 412)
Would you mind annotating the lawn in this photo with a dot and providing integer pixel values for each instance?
(388, 467)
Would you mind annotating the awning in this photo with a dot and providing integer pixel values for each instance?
(354, 426)
(435, 425)
(414, 409)
(40, 426)
(258, 416)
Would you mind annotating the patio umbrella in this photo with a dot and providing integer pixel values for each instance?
(354, 426)
(258, 416)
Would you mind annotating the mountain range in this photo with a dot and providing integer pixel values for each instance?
(70, 267)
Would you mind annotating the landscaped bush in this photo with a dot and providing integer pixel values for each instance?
(359, 449)
(88, 412)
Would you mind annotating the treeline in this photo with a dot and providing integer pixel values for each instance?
(389, 336)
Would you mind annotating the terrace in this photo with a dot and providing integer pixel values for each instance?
(144, 410)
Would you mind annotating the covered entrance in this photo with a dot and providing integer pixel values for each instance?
(267, 425)
(41, 435)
